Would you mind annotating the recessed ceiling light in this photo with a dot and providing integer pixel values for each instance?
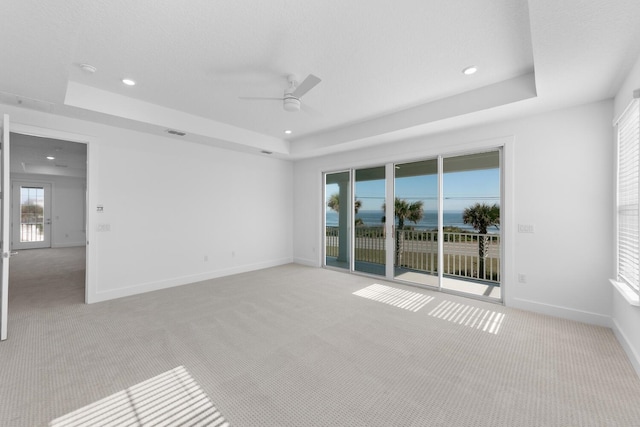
(50, 158)
(288, 132)
(128, 82)
(470, 70)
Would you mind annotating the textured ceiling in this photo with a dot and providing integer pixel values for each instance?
(389, 69)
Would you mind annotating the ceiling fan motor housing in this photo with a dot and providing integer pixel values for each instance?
(291, 103)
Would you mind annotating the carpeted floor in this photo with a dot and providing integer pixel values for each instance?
(294, 346)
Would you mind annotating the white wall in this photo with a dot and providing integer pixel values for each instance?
(561, 177)
(169, 204)
(67, 208)
(626, 318)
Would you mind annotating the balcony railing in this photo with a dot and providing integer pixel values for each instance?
(418, 250)
(31, 232)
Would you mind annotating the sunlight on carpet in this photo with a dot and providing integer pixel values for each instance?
(169, 399)
(467, 315)
(412, 301)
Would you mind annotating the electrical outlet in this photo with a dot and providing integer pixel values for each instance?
(522, 278)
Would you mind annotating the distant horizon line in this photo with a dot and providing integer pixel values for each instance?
(426, 210)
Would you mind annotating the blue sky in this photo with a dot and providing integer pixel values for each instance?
(461, 189)
(32, 196)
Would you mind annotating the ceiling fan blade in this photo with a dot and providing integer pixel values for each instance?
(307, 84)
(310, 110)
(258, 98)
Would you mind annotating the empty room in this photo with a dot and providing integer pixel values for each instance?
(320, 213)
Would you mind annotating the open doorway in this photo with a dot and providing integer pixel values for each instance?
(48, 227)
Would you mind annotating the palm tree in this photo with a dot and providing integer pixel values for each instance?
(482, 216)
(334, 204)
(404, 211)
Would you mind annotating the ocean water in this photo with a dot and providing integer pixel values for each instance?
(428, 222)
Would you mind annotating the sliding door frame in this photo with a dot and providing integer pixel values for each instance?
(504, 145)
(389, 226)
(349, 219)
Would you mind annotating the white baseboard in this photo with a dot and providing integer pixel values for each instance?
(68, 244)
(307, 262)
(179, 281)
(633, 356)
(562, 312)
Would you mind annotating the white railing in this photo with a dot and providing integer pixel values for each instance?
(332, 241)
(31, 232)
(466, 255)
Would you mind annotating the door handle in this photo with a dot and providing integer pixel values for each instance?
(8, 254)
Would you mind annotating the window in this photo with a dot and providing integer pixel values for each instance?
(628, 213)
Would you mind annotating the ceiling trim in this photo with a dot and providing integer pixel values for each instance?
(392, 125)
(101, 101)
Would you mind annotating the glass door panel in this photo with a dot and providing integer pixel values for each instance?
(471, 224)
(368, 208)
(31, 215)
(337, 213)
(416, 222)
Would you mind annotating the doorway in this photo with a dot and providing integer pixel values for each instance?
(43, 152)
(48, 192)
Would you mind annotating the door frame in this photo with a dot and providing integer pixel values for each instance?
(503, 143)
(90, 142)
(349, 220)
(5, 225)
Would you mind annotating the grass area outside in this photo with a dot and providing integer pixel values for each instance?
(454, 264)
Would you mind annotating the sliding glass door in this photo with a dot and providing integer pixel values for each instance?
(435, 223)
(337, 219)
(416, 222)
(369, 235)
(471, 224)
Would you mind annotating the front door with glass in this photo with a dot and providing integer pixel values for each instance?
(31, 215)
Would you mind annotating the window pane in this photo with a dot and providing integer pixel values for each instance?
(628, 223)
(471, 223)
(337, 250)
(31, 214)
(370, 189)
(416, 204)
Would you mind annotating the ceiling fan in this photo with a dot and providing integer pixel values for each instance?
(293, 93)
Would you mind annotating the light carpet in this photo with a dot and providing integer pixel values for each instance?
(293, 346)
